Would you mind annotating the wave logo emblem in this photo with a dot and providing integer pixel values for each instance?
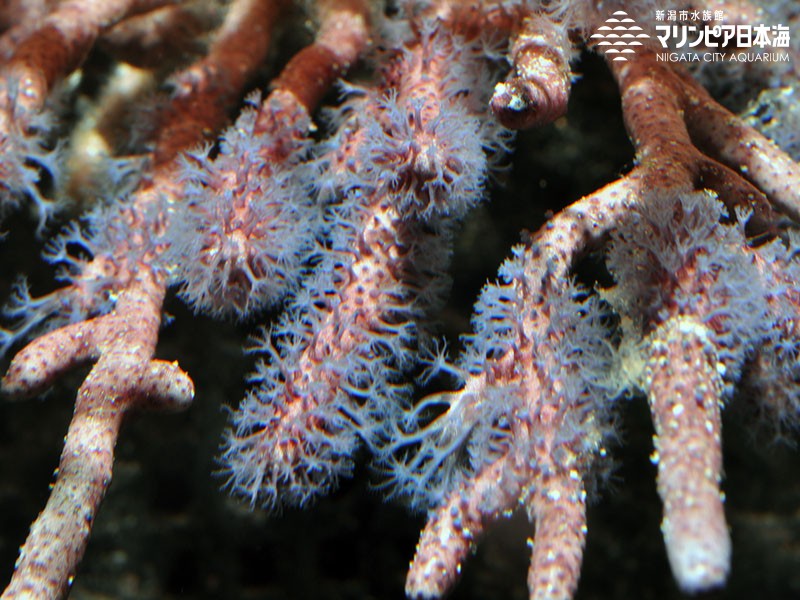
(620, 35)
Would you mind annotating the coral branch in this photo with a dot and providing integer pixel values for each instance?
(341, 39)
(124, 377)
(197, 108)
(742, 148)
(545, 435)
(122, 341)
(655, 100)
(46, 54)
(440, 554)
(538, 90)
(558, 508)
(684, 391)
(58, 45)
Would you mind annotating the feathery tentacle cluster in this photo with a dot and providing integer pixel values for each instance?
(397, 174)
(239, 238)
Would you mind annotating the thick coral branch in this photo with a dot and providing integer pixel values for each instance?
(558, 508)
(124, 340)
(43, 56)
(537, 91)
(655, 101)
(684, 391)
(744, 149)
(124, 377)
(342, 37)
(454, 526)
(197, 108)
(59, 44)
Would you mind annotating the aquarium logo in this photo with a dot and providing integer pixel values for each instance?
(695, 36)
(619, 36)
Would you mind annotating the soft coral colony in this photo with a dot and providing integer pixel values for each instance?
(346, 226)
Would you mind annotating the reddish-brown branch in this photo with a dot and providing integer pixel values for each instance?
(684, 391)
(60, 43)
(124, 377)
(655, 102)
(537, 90)
(342, 38)
(454, 527)
(123, 342)
(204, 91)
(745, 150)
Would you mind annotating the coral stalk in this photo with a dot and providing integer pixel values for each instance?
(43, 56)
(684, 391)
(124, 377)
(538, 90)
(558, 509)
